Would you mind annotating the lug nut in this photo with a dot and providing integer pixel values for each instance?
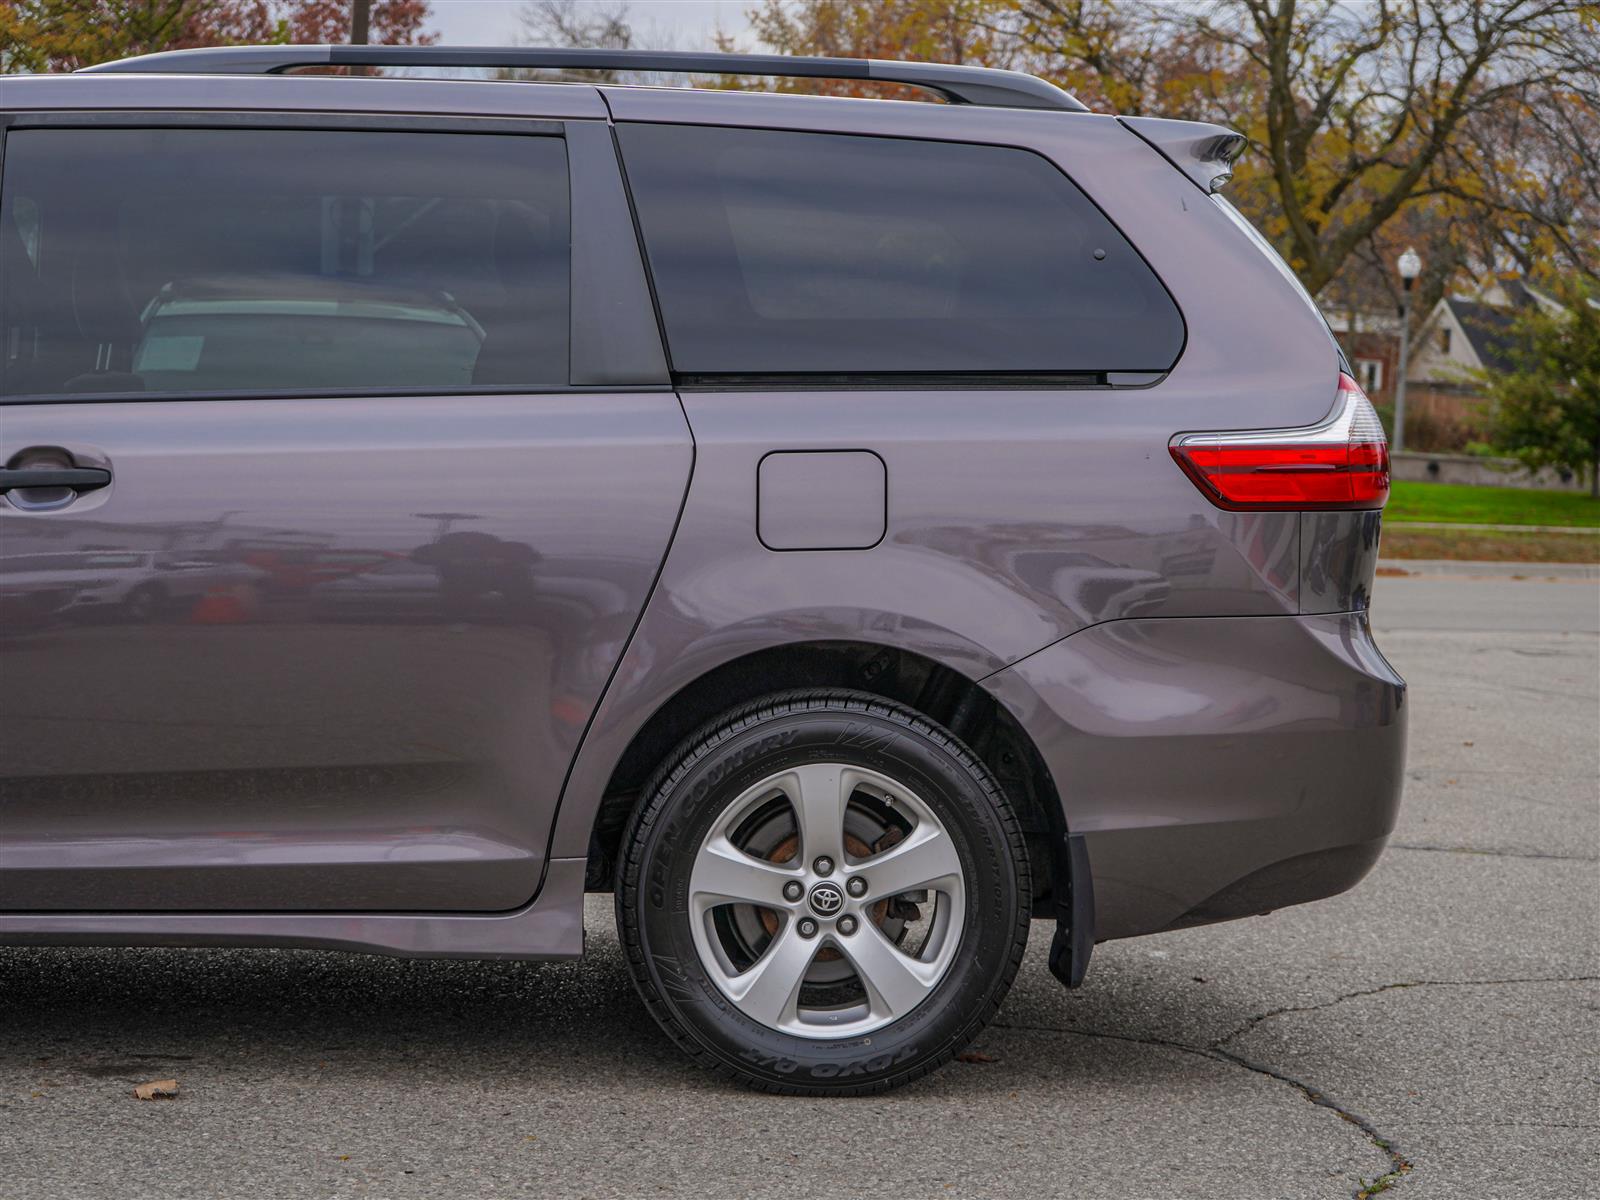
(807, 928)
(857, 886)
(847, 925)
(823, 865)
(792, 890)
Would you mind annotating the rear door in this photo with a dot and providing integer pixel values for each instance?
(356, 460)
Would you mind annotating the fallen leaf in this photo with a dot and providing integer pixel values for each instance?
(1466, 743)
(161, 1089)
(976, 1056)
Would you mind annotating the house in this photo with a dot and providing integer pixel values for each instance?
(1462, 335)
(1446, 407)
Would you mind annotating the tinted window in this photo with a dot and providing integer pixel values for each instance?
(800, 252)
(214, 261)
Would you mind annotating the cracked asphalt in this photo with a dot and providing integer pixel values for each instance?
(1434, 1030)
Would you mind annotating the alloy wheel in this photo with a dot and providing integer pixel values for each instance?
(827, 901)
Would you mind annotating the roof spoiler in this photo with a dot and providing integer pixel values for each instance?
(986, 86)
(1205, 153)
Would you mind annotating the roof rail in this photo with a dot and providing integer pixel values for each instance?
(960, 85)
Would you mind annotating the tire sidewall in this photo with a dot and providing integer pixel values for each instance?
(697, 797)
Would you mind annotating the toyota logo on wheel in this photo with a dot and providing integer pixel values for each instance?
(826, 899)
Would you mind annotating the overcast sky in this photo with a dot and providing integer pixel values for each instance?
(662, 24)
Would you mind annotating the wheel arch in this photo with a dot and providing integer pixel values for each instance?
(939, 693)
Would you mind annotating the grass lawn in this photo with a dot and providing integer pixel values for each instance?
(1478, 546)
(1456, 503)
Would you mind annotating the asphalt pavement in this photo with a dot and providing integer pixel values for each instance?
(1434, 1030)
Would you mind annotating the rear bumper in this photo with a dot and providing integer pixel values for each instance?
(1217, 767)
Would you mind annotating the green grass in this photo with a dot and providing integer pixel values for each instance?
(1460, 503)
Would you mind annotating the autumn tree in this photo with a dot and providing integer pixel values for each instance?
(63, 35)
(952, 31)
(1547, 408)
(1364, 110)
(393, 22)
(1484, 112)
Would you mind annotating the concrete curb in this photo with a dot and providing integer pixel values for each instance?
(1488, 570)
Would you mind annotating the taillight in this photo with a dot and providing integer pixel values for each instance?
(1343, 462)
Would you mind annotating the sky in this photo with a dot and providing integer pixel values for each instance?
(662, 24)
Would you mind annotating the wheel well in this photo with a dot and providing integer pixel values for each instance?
(937, 692)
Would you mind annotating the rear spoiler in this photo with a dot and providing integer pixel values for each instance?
(1205, 153)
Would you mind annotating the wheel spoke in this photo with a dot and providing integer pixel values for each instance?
(895, 982)
(724, 874)
(819, 792)
(764, 976)
(770, 990)
(926, 859)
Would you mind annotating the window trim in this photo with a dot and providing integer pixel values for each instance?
(332, 122)
(914, 381)
(617, 360)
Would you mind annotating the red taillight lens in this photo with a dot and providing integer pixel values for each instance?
(1341, 463)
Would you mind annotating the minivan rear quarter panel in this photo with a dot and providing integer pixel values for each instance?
(1049, 529)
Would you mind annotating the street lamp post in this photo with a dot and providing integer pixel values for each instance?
(1410, 265)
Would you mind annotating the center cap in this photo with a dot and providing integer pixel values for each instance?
(826, 899)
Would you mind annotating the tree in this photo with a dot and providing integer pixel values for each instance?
(953, 31)
(1367, 109)
(1547, 410)
(1477, 118)
(63, 35)
(391, 22)
(592, 26)
(564, 24)
(605, 25)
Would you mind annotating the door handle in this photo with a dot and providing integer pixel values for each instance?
(79, 479)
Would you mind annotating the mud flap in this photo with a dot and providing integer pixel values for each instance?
(1073, 942)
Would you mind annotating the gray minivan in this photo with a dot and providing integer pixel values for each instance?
(845, 529)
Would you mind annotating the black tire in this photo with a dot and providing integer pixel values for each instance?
(694, 789)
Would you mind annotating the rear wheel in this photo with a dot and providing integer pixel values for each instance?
(823, 893)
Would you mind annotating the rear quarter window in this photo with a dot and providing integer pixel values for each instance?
(803, 253)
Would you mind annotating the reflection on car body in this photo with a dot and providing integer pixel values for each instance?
(137, 584)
